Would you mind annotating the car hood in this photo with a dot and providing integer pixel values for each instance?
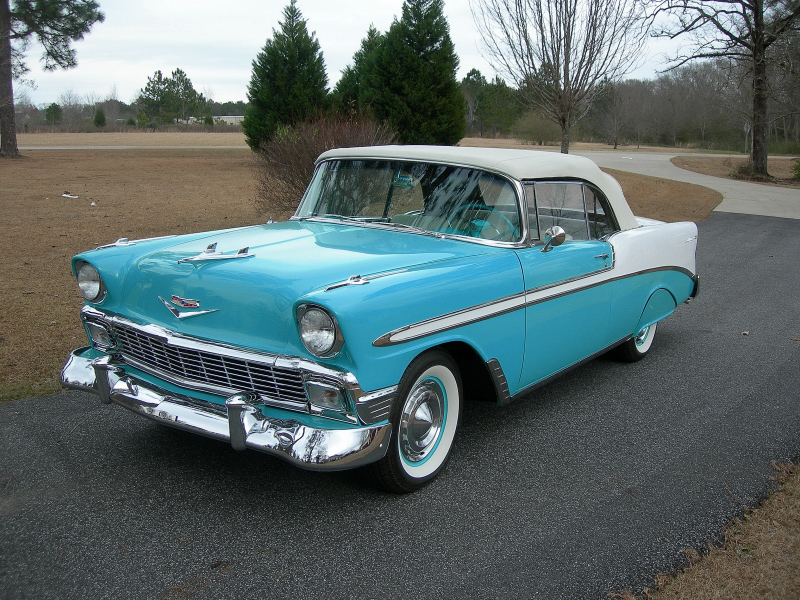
(251, 299)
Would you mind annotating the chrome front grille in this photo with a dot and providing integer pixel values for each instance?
(210, 369)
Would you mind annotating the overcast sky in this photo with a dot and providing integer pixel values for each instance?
(215, 44)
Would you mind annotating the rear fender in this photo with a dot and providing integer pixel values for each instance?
(660, 305)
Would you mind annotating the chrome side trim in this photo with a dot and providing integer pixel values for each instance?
(495, 308)
(452, 320)
(239, 422)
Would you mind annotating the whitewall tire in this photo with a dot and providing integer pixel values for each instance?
(425, 419)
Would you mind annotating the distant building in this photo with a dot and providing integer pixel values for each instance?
(230, 119)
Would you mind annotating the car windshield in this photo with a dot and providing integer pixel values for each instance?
(428, 197)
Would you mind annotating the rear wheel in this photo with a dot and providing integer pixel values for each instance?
(638, 346)
(425, 419)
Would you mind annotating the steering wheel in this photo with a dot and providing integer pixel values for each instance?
(476, 226)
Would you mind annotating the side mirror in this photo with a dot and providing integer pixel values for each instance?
(553, 237)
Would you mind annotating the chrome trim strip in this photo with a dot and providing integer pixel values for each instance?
(126, 242)
(496, 308)
(359, 280)
(239, 422)
(459, 318)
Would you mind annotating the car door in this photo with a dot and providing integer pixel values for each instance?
(567, 305)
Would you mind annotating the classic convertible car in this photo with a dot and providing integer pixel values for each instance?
(407, 278)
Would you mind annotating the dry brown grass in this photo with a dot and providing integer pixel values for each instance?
(136, 193)
(666, 200)
(133, 138)
(142, 193)
(760, 558)
(729, 166)
(139, 193)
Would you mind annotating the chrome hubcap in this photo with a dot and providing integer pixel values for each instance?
(639, 340)
(421, 421)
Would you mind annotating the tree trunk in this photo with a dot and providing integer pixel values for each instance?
(760, 145)
(8, 125)
(564, 137)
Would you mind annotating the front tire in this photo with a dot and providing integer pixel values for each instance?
(636, 348)
(425, 419)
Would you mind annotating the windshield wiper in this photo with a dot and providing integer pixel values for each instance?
(333, 217)
(415, 229)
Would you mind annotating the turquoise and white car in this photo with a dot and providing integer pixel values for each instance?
(409, 278)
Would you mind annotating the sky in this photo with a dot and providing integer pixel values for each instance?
(215, 43)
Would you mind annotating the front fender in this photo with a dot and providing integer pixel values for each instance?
(369, 311)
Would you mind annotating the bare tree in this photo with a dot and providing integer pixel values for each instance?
(742, 30)
(637, 102)
(71, 106)
(559, 51)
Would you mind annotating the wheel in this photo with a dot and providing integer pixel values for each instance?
(425, 419)
(638, 346)
(470, 225)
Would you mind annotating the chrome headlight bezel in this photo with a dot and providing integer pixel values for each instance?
(319, 331)
(90, 284)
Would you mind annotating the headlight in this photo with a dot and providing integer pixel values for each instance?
(89, 282)
(318, 331)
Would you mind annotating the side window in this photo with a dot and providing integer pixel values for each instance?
(601, 220)
(561, 203)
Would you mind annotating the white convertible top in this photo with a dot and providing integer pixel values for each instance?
(517, 164)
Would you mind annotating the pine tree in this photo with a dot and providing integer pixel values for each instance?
(55, 24)
(99, 118)
(414, 79)
(351, 91)
(288, 83)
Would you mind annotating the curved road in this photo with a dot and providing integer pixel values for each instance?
(738, 196)
(591, 485)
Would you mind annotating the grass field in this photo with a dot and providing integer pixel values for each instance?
(174, 188)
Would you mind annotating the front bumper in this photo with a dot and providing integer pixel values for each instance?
(241, 421)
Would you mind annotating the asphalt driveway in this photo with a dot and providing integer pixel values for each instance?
(591, 485)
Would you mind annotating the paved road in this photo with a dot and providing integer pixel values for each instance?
(738, 196)
(591, 485)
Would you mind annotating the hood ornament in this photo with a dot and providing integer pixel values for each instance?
(185, 303)
(211, 253)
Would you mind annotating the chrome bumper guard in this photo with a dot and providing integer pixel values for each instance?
(240, 422)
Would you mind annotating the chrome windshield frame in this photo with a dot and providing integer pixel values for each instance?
(519, 197)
